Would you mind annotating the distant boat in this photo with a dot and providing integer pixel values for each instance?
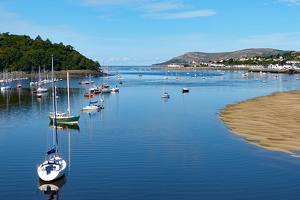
(19, 85)
(165, 96)
(105, 88)
(41, 89)
(7, 87)
(115, 89)
(94, 90)
(88, 95)
(185, 89)
(93, 105)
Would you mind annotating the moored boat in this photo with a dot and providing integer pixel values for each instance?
(62, 117)
(165, 96)
(185, 89)
(93, 105)
(53, 167)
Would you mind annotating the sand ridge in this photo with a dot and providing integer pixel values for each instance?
(271, 122)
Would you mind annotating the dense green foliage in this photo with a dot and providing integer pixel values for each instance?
(22, 53)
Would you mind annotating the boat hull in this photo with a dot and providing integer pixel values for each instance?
(92, 107)
(73, 120)
(57, 167)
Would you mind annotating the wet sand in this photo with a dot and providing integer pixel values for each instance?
(271, 122)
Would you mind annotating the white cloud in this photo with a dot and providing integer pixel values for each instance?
(126, 59)
(292, 39)
(108, 2)
(113, 59)
(151, 8)
(181, 15)
(295, 2)
(158, 7)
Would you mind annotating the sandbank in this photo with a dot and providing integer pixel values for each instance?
(271, 122)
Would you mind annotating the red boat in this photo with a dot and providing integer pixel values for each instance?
(88, 95)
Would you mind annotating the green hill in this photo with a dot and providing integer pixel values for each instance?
(21, 53)
(206, 57)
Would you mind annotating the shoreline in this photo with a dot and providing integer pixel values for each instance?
(271, 122)
(280, 71)
(59, 74)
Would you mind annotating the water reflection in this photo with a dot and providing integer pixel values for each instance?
(64, 126)
(52, 188)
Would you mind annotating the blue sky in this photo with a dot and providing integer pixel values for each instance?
(145, 32)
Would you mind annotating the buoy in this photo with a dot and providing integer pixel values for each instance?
(81, 109)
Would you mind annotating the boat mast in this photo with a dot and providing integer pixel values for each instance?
(68, 93)
(54, 112)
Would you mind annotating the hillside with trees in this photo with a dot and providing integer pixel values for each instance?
(23, 53)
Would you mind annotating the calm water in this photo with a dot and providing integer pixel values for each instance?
(143, 147)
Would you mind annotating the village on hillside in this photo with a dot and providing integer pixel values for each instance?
(258, 63)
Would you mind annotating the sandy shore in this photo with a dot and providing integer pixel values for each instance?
(271, 122)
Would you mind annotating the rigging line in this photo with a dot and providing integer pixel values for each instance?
(74, 98)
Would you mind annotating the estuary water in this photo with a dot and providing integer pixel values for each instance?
(141, 146)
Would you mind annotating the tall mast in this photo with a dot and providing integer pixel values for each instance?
(68, 93)
(54, 113)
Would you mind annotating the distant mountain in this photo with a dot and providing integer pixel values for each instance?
(206, 57)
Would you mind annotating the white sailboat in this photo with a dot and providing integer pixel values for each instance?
(185, 89)
(165, 95)
(6, 87)
(63, 118)
(54, 166)
(41, 89)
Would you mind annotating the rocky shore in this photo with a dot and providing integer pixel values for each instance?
(61, 74)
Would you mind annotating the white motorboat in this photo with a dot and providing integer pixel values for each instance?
(41, 89)
(165, 96)
(105, 88)
(116, 89)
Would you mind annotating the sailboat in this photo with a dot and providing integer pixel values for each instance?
(185, 89)
(19, 85)
(41, 89)
(54, 166)
(61, 117)
(6, 87)
(165, 95)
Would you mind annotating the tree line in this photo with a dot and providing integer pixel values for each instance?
(20, 52)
